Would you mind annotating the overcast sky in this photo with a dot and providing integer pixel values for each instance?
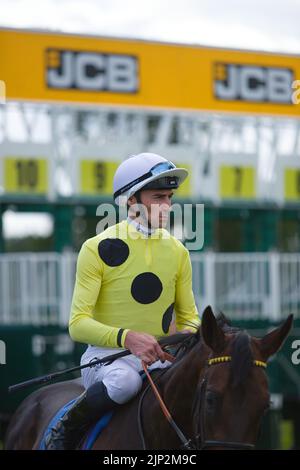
(271, 25)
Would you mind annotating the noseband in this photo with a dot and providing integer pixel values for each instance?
(200, 440)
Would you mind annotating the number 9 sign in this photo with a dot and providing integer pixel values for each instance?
(96, 177)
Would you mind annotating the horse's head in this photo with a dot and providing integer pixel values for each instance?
(233, 390)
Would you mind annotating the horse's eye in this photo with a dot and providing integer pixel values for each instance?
(211, 400)
(267, 407)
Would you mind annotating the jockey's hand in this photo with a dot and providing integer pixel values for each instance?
(144, 346)
(185, 331)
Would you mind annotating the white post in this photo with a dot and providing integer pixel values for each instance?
(275, 294)
(210, 279)
(66, 269)
(63, 313)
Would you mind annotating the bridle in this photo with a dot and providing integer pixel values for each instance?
(199, 407)
(198, 442)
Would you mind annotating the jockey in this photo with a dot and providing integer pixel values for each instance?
(130, 279)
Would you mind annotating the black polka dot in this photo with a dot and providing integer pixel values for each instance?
(146, 288)
(167, 318)
(113, 251)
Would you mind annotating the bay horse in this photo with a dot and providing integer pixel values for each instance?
(216, 391)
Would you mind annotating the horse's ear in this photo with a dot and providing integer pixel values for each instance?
(212, 334)
(273, 341)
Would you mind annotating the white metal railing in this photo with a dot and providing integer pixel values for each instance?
(248, 285)
(36, 288)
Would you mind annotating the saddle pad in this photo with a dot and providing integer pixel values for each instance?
(92, 434)
(96, 430)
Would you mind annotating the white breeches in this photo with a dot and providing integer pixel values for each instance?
(121, 378)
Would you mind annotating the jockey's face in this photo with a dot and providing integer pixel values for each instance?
(157, 203)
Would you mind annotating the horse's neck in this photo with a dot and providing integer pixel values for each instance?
(178, 386)
(180, 383)
(185, 374)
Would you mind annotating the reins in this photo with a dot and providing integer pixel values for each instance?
(186, 442)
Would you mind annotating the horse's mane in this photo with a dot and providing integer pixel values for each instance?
(242, 358)
(189, 340)
(241, 353)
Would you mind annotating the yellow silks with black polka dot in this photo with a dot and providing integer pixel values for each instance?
(128, 281)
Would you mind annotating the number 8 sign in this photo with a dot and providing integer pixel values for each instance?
(292, 184)
(237, 182)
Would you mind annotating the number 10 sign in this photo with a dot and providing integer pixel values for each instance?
(25, 169)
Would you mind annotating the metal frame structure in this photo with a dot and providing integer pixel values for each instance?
(205, 140)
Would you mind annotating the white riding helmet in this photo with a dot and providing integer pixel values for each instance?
(139, 170)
